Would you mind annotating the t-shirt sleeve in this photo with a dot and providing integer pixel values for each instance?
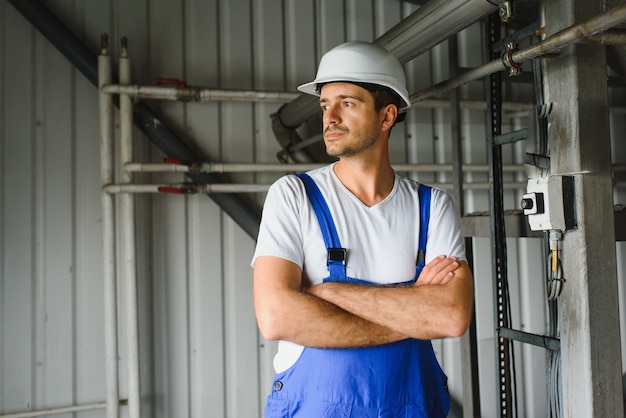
(280, 232)
(444, 230)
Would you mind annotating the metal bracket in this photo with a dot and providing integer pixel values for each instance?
(506, 11)
(507, 59)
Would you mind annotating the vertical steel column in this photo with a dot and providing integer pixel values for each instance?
(493, 87)
(108, 236)
(579, 143)
(129, 262)
(469, 354)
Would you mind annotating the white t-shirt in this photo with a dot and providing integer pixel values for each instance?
(381, 240)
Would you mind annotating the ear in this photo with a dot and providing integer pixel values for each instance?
(389, 114)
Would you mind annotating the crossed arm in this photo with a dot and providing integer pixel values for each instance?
(345, 315)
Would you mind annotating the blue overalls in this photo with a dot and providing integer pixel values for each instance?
(397, 380)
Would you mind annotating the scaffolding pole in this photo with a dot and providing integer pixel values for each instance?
(108, 236)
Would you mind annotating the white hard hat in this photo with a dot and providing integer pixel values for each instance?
(361, 62)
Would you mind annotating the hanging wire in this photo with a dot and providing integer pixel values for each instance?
(554, 365)
(553, 269)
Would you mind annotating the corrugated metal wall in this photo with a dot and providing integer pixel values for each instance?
(201, 354)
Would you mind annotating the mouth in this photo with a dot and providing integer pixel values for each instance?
(334, 133)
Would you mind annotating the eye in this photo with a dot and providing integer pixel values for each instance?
(324, 107)
(348, 103)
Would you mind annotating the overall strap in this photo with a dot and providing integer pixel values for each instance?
(424, 193)
(336, 260)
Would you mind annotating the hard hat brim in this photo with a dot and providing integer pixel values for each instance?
(312, 88)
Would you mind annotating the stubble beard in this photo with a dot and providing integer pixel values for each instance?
(365, 141)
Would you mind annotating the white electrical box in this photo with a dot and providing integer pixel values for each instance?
(544, 203)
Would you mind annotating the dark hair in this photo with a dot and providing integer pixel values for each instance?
(382, 95)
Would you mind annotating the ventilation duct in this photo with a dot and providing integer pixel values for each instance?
(429, 25)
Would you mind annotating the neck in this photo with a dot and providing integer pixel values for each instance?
(369, 182)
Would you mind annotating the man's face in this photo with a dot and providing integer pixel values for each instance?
(351, 125)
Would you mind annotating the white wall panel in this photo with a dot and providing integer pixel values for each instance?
(19, 262)
(201, 353)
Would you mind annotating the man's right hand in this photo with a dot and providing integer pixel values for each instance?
(440, 270)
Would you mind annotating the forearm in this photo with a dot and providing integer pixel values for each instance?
(286, 312)
(423, 312)
(312, 322)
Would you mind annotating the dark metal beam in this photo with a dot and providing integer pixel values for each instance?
(544, 341)
(149, 123)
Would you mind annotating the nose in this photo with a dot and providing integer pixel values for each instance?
(331, 115)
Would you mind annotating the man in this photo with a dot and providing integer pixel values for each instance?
(352, 320)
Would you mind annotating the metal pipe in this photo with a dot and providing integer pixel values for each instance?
(610, 37)
(198, 94)
(156, 168)
(432, 23)
(574, 34)
(108, 247)
(186, 188)
(190, 188)
(429, 25)
(129, 263)
(166, 140)
(145, 119)
(54, 411)
(211, 167)
(569, 36)
(235, 188)
(473, 105)
(132, 188)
